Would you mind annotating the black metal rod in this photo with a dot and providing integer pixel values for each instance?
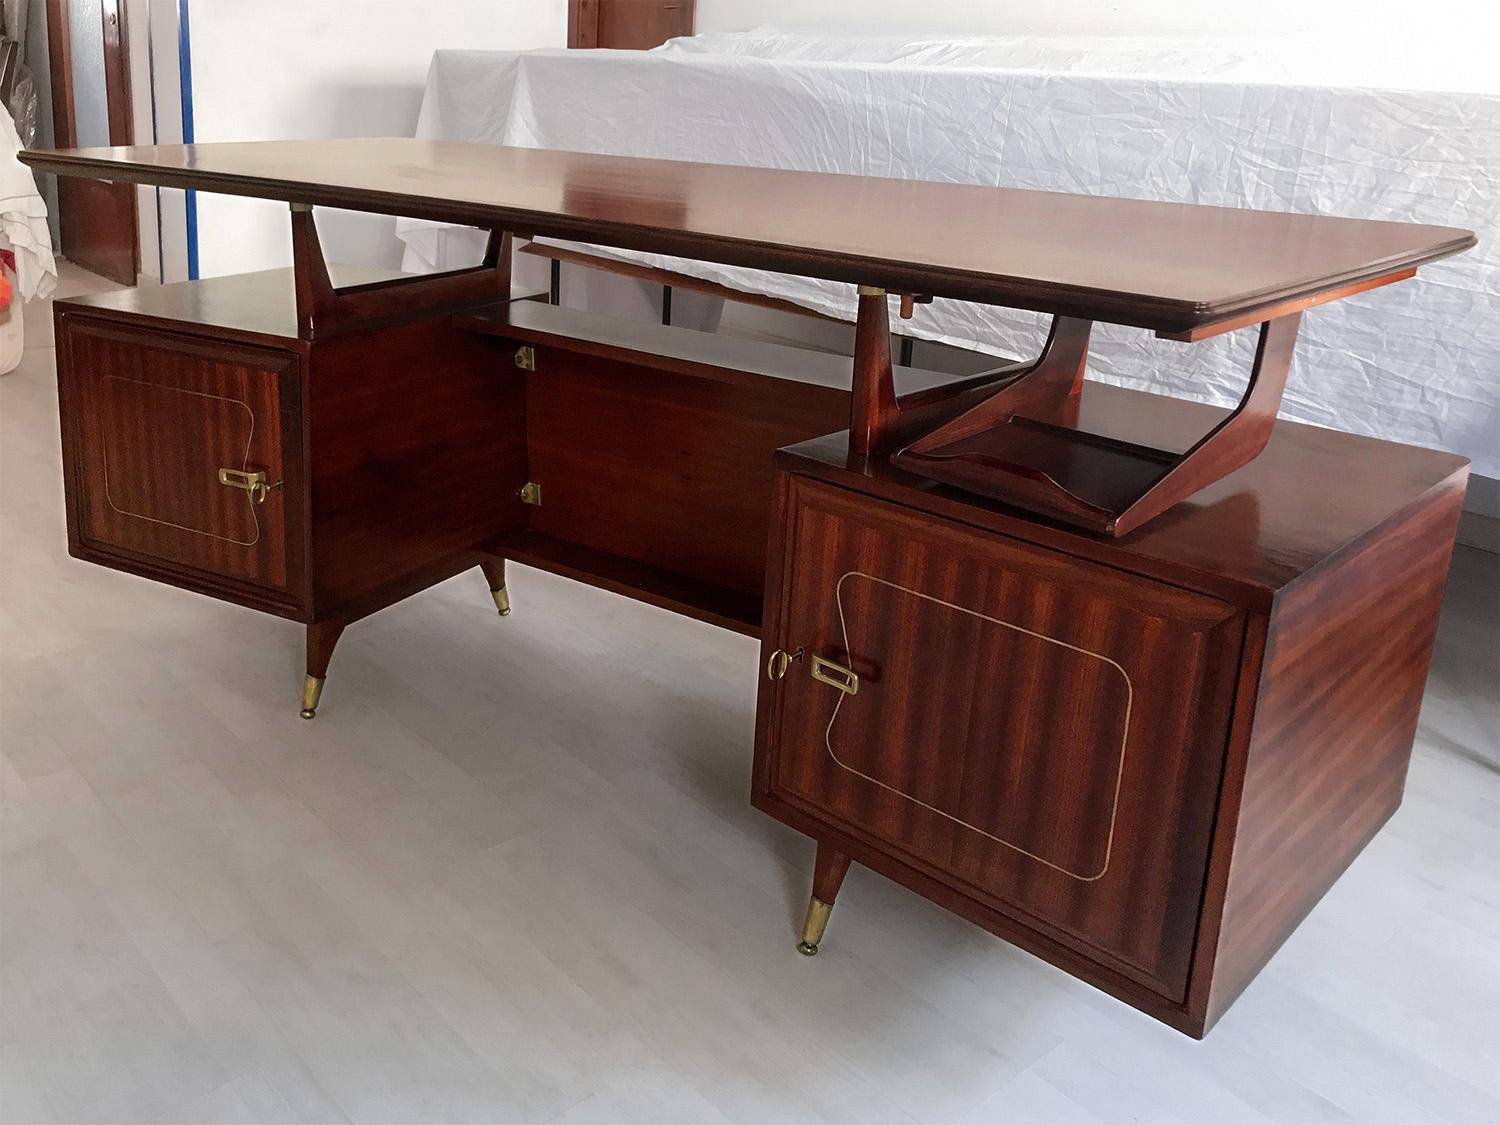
(554, 290)
(906, 345)
(666, 304)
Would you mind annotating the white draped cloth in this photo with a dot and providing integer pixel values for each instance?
(1417, 362)
(23, 219)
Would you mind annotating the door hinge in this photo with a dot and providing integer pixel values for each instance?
(526, 358)
(531, 493)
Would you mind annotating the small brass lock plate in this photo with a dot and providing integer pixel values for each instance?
(531, 493)
(526, 358)
(835, 675)
(254, 483)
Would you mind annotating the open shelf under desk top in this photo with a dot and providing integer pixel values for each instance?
(1168, 267)
(708, 355)
(703, 601)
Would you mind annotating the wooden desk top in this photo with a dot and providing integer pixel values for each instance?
(1168, 267)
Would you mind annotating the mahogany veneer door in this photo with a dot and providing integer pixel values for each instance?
(149, 420)
(1043, 734)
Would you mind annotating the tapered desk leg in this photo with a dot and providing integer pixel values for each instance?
(494, 574)
(321, 637)
(829, 869)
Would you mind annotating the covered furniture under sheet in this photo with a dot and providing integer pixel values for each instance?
(1166, 120)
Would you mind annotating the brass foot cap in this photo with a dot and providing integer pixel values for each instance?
(312, 691)
(807, 949)
(502, 600)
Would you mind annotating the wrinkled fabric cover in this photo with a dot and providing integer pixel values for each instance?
(1416, 362)
(23, 219)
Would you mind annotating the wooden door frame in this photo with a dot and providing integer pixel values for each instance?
(74, 195)
(583, 21)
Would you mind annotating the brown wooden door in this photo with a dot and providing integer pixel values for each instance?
(96, 220)
(153, 417)
(1044, 734)
(631, 25)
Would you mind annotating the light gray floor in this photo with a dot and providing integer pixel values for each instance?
(510, 874)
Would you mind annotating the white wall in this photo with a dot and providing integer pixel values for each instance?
(1334, 22)
(284, 69)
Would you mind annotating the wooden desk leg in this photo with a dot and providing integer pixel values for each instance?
(321, 637)
(494, 574)
(872, 403)
(829, 869)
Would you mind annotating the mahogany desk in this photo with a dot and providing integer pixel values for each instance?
(1124, 679)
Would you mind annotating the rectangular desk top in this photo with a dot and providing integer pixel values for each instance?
(1169, 267)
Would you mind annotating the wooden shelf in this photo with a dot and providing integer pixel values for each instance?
(1084, 479)
(705, 355)
(717, 605)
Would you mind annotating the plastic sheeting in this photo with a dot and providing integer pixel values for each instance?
(1416, 362)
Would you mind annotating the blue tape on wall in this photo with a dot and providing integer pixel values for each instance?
(185, 70)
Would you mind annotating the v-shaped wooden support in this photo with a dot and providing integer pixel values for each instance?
(1020, 445)
(324, 311)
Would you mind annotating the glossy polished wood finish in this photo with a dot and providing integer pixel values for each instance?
(1346, 660)
(829, 868)
(667, 470)
(704, 355)
(322, 638)
(1243, 539)
(149, 418)
(1142, 758)
(323, 310)
(258, 308)
(416, 442)
(1021, 444)
(1316, 695)
(701, 600)
(96, 221)
(873, 411)
(419, 435)
(671, 278)
(653, 448)
(399, 439)
(1012, 730)
(628, 25)
(1164, 266)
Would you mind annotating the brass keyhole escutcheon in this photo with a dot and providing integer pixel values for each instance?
(835, 675)
(253, 483)
(779, 662)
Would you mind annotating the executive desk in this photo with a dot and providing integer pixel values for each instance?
(1126, 680)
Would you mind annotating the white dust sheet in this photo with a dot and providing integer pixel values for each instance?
(1418, 361)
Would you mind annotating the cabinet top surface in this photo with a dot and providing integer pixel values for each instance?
(1308, 497)
(1163, 266)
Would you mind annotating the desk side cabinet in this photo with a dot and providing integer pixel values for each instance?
(184, 456)
(1110, 769)
(210, 443)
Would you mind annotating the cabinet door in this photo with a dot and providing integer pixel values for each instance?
(150, 418)
(1044, 734)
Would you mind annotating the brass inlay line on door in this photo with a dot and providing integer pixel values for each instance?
(1124, 735)
(244, 464)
